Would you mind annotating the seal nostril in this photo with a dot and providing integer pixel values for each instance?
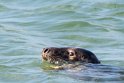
(45, 50)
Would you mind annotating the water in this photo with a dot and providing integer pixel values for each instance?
(27, 26)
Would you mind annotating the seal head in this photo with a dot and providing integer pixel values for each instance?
(67, 55)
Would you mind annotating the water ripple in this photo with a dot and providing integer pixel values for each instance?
(27, 26)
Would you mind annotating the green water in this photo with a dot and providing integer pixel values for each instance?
(27, 26)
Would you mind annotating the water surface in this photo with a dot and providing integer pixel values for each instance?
(27, 26)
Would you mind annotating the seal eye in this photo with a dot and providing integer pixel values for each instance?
(71, 54)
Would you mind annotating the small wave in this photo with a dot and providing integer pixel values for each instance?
(71, 24)
(119, 13)
(3, 8)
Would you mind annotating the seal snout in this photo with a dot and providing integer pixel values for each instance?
(45, 53)
(48, 53)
